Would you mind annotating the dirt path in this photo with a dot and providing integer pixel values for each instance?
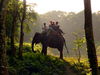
(69, 71)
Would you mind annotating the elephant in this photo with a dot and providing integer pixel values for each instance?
(52, 40)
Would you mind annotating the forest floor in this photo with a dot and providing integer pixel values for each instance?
(69, 71)
(38, 64)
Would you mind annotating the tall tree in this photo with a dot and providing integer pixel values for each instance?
(21, 28)
(89, 38)
(14, 22)
(3, 61)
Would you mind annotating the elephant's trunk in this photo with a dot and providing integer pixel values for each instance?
(33, 46)
(36, 39)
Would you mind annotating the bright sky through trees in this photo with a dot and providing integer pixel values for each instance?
(44, 6)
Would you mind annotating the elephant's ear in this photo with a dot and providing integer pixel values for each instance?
(37, 37)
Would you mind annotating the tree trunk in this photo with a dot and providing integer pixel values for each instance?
(13, 50)
(21, 29)
(21, 41)
(14, 14)
(79, 54)
(3, 60)
(89, 38)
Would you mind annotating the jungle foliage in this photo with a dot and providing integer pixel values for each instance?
(38, 64)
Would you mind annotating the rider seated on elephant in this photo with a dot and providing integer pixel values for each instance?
(44, 27)
(55, 27)
(51, 25)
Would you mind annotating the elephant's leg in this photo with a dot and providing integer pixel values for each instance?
(61, 54)
(44, 50)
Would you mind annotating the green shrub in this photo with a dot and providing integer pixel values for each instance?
(12, 71)
(80, 68)
(26, 47)
(39, 64)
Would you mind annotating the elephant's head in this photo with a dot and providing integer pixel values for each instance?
(36, 39)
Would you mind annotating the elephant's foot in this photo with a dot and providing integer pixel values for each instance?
(44, 53)
(61, 54)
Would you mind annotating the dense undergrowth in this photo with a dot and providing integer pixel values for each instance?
(80, 68)
(38, 64)
(35, 63)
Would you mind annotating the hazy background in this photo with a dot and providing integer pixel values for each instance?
(70, 15)
(69, 23)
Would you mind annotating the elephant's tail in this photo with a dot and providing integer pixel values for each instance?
(66, 47)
